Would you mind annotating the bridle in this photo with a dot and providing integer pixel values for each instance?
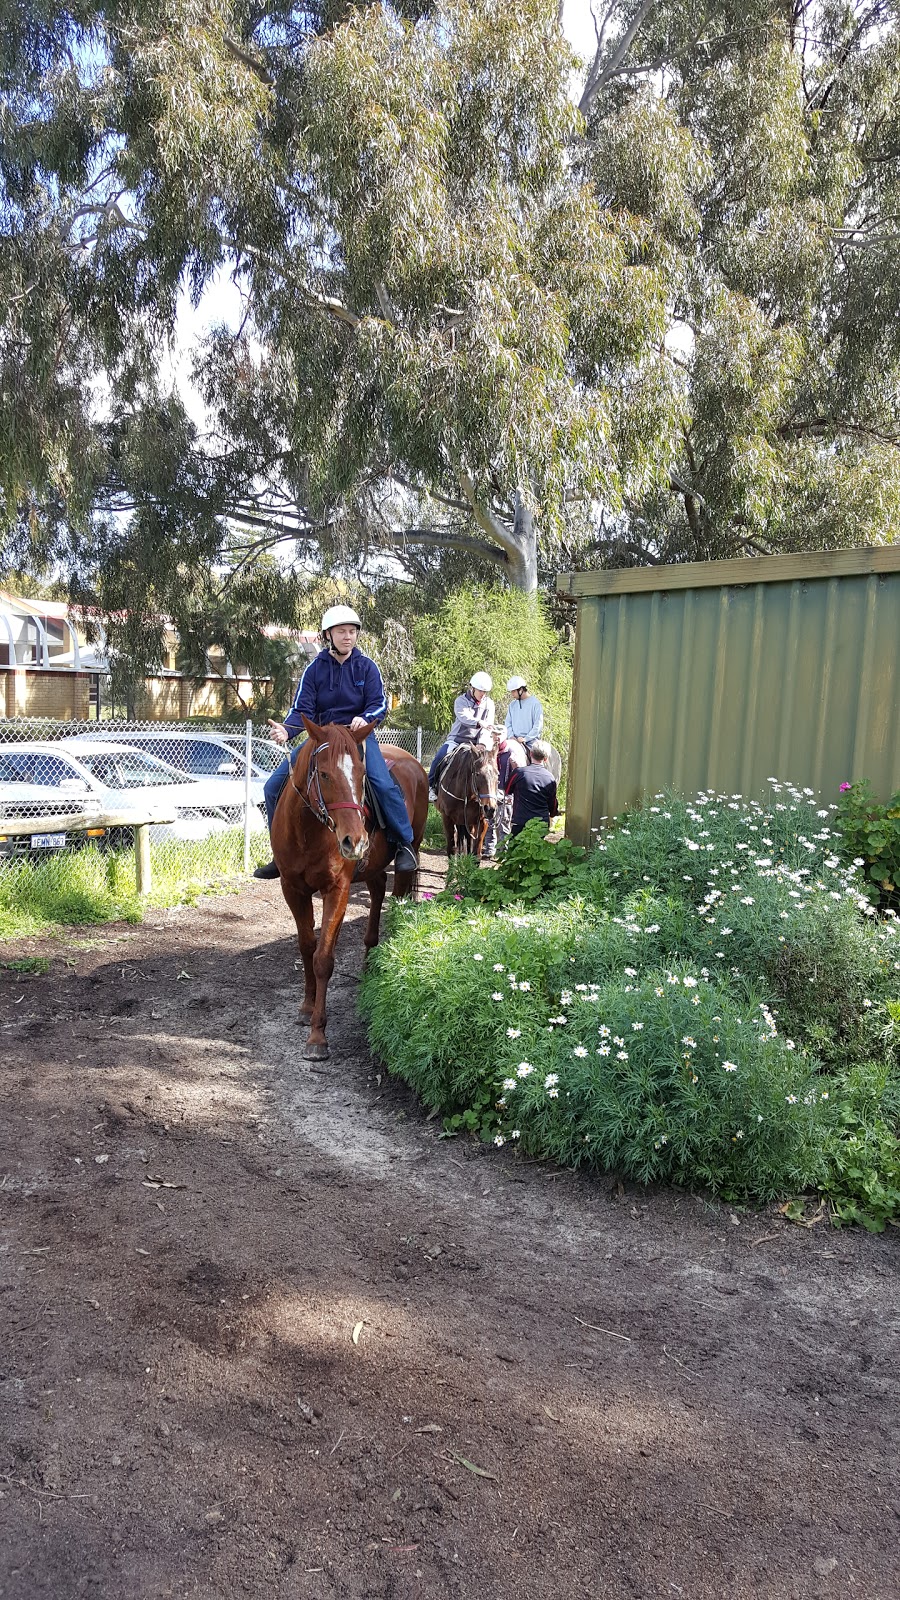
(319, 810)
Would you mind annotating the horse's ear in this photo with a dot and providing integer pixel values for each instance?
(362, 734)
(315, 732)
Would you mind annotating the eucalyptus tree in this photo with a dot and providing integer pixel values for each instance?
(441, 320)
(482, 325)
(757, 148)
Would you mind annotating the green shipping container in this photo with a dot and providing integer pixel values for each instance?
(721, 675)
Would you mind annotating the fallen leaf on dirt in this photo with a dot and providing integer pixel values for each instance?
(140, 1252)
(430, 1427)
(551, 1414)
(182, 976)
(480, 1472)
(160, 1183)
(357, 1331)
(396, 1495)
(100, 1160)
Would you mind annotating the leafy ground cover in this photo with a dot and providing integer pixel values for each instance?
(707, 997)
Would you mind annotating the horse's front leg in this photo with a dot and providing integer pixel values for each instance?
(481, 828)
(377, 886)
(333, 908)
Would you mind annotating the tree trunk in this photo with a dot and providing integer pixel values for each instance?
(518, 543)
(523, 560)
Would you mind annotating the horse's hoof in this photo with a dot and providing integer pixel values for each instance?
(315, 1052)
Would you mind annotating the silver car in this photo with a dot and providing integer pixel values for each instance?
(200, 754)
(97, 776)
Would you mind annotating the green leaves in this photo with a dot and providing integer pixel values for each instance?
(871, 835)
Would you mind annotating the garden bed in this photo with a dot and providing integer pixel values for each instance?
(707, 998)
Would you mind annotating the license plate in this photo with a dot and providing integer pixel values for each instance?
(48, 841)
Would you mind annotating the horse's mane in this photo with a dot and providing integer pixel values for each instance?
(470, 755)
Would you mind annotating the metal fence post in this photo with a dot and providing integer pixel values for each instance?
(248, 751)
(419, 744)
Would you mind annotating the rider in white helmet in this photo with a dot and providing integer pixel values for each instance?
(525, 716)
(473, 713)
(342, 685)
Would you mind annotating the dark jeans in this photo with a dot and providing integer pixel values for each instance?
(389, 795)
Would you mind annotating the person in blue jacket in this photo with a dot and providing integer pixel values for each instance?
(525, 717)
(342, 685)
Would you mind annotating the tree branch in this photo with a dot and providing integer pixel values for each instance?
(244, 56)
(447, 539)
(817, 426)
(601, 73)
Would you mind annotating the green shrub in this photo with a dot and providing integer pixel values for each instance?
(530, 867)
(731, 957)
(871, 834)
(502, 631)
(863, 1180)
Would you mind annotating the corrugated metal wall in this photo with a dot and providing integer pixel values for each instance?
(703, 677)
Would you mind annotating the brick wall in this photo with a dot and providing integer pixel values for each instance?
(62, 695)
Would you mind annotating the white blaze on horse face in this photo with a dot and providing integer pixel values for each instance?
(357, 849)
(345, 762)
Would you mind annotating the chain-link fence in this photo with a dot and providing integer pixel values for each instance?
(177, 804)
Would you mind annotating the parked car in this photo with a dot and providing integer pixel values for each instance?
(203, 755)
(67, 776)
(265, 754)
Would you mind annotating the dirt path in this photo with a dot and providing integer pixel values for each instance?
(661, 1397)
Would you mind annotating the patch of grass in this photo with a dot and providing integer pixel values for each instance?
(95, 886)
(33, 965)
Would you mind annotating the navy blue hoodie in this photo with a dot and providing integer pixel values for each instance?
(337, 691)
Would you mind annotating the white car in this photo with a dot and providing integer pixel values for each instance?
(201, 755)
(65, 776)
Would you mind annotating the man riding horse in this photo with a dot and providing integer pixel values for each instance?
(343, 686)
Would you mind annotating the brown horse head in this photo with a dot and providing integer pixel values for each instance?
(333, 784)
(485, 780)
(473, 777)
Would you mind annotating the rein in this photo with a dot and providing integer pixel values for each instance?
(320, 811)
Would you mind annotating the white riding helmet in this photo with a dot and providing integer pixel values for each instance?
(515, 683)
(481, 680)
(335, 615)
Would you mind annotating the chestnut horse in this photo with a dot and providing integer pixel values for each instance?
(321, 841)
(467, 797)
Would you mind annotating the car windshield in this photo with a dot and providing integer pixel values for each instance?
(265, 754)
(127, 769)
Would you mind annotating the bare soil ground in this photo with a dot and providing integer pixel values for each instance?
(560, 1387)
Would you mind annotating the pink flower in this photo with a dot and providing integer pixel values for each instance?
(845, 787)
(457, 897)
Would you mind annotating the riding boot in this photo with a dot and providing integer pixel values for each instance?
(270, 870)
(406, 859)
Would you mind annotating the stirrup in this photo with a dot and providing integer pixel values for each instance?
(406, 859)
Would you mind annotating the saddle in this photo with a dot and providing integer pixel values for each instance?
(374, 815)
